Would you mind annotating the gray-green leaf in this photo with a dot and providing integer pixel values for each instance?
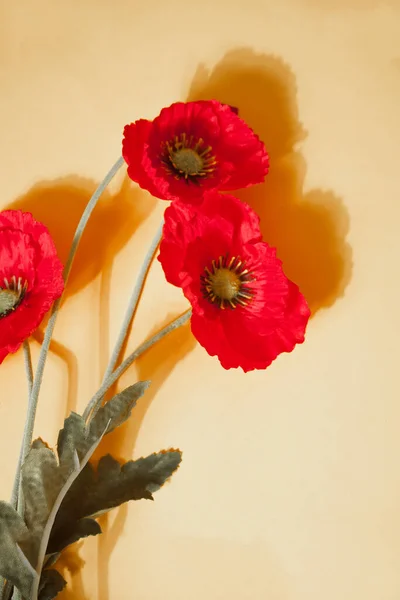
(14, 537)
(81, 529)
(75, 436)
(46, 482)
(42, 480)
(51, 583)
(110, 485)
(117, 410)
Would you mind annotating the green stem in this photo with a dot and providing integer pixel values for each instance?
(16, 496)
(48, 525)
(28, 366)
(34, 396)
(95, 402)
(29, 376)
(133, 302)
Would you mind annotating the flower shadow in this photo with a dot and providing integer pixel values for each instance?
(308, 229)
(124, 211)
(59, 204)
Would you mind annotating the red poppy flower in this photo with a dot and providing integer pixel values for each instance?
(193, 147)
(30, 277)
(245, 310)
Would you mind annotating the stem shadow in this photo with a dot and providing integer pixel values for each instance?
(156, 364)
(308, 229)
(59, 205)
(70, 563)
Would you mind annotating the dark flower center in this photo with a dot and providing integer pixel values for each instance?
(187, 161)
(188, 158)
(11, 295)
(226, 283)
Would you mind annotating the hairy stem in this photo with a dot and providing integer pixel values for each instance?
(133, 302)
(29, 377)
(16, 495)
(28, 366)
(95, 402)
(34, 395)
(53, 513)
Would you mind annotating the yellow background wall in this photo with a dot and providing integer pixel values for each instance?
(290, 484)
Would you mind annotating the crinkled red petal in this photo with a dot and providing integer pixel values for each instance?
(275, 318)
(27, 251)
(241, 158)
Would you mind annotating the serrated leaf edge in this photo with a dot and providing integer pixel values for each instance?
(53, 513)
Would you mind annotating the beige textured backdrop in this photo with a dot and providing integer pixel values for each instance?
(290, 485)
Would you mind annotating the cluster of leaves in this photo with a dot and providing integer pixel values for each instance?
(64, 493)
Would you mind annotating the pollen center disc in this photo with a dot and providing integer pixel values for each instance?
(187, 161)
(9, 299)
(225, 284)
